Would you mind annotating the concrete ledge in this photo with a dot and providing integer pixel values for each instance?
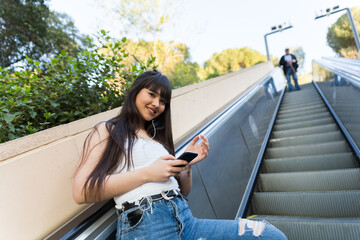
(36, 171)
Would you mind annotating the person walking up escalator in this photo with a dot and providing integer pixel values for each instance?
(290, 65)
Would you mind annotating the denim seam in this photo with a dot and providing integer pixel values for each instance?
(178, 220)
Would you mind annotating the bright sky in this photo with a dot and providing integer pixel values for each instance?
(209, 26)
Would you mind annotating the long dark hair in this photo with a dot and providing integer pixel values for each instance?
(122, 130)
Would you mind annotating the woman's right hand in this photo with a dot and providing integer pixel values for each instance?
(164, 168)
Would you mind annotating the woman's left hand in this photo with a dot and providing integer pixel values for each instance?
(201, 149)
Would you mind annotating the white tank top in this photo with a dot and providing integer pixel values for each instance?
(144, 153)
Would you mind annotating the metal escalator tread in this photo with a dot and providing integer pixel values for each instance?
(303, 118)
(301, 108)
(308, 150)
(330, 180)
(307, 139)
(305, 131)
(310, 163)
(295, 106)
(327, 204)
(297, 228)
(301, 113)
(306, 123)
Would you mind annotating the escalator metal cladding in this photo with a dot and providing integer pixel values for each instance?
(309, 184)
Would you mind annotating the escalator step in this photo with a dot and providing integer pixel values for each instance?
(330, 180)
(305, 131)
(307, 139)
(307, 150)
(311, 97)
(303, 118)
(310, 163)
(288, 106)
(303, 113)
(302, 108)
(315, 228)
(333, 204)
(308, 123)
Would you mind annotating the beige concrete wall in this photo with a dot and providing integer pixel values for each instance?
(36, 170)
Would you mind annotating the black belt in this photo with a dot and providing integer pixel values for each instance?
(164, 195)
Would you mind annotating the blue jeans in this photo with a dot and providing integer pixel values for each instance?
(290, 72)
(172, 219)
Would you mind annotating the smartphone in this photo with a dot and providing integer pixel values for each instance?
(187, 156)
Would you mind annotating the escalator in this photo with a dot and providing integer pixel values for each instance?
(309, 182)
(290, 158)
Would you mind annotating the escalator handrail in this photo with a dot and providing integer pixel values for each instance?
(352, 67)
(245, 202)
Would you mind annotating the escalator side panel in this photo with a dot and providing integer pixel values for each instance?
(234, 148)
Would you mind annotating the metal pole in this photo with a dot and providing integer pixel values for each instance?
(352, 24)
(266, 44)
(267, 48)
(354, 29)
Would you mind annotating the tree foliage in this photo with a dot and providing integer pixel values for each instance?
(184, 73)
(300, 56)
(143, 17)
(167, 54)
(29, 28)
(69, 88)
(231, 60)
(340, 36)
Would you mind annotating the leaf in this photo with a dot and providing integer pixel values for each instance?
(29, 60)
(9, 117)
(27, 90)
(11, 126)
(63, 53)
(11, 136)
(134, 68)
(123, 39)
(33, 114)
(54, 104)
(54, 60)
(47, 115)
(63, 119)
(37, 64)
(103, 31)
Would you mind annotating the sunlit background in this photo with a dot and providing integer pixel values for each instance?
(211, 26)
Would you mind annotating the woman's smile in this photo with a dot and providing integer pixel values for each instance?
(149, 104)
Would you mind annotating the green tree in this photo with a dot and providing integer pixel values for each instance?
(168, 55)
(300, 55)
(340, 36)
(185, 73)
(69, 88)
(144, 21)
(29, 28)
(231, 60)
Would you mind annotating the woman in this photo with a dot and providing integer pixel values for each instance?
(131, 158)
